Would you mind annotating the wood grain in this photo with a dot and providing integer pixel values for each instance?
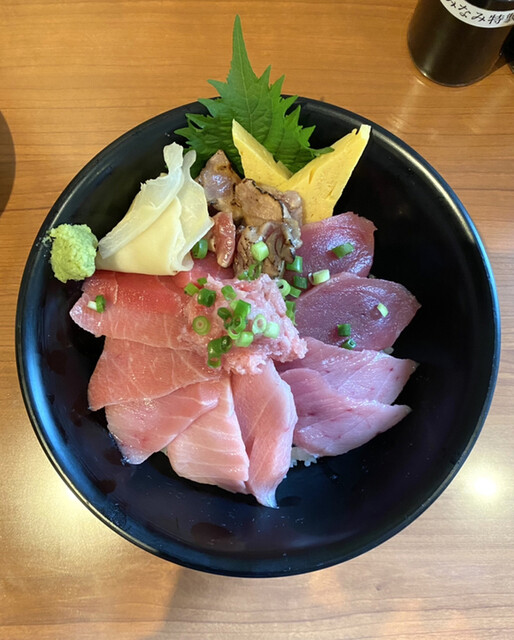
(73, 77)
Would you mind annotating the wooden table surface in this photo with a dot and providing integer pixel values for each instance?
(74, 75)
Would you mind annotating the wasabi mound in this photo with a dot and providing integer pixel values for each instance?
(73, 252)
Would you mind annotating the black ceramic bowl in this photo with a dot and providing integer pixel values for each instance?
(342, 506)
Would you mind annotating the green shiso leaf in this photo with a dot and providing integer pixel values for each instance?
(258, 107)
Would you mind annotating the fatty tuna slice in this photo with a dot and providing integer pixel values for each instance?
(211, 450)
(129, 370)
(347, 298)
(330, 424)
(138, 307)
(319, 238)
(143, 427)
(267, 416)
(360, 375)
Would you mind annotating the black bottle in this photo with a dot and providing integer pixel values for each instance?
(455, 42)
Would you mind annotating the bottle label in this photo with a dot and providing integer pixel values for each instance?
(466, 12)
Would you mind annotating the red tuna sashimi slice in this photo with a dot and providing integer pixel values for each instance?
(319, 238)
(211, 450)
(347, 298)
(361, 375)
(146, 426)
(133, 371)
(330, 424)
(201, 269)
(267, 415)
(138, 307)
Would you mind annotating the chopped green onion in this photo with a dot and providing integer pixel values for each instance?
(295, 292)
(224, 314)
(243, 275)
(284, 287)
(343, 249)
(235, 326)
(238, 323)
(219, 345)
(226, 343)
(232, 334)
(244, 339)
(214, 362)
(301, 282)
(201, 325)
(296, 265)
(207, 297)
(318, 277)
(259, 324)
(202, 281)
(260, 251)
(98, 304)
(228, 292)
(254, 271)
(191, 289)
(291, 310)
(241, 308)
(200, 249)
(272, 330)
(214, 347)
(383, 310)
(349, 344)
(344, 330)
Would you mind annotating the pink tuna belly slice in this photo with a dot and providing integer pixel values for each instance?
(267, 415)
(350, 299)
(138, 307)
(211, 450)
(330, 424)
(360, 375)
(319, 238)
(129, 371)
(146, 426)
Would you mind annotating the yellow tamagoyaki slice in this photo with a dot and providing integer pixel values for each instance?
(258, 163)
(322, 180)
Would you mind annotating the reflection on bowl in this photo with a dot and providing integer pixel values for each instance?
(342, 506)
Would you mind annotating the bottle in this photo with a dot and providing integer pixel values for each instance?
(456, 43)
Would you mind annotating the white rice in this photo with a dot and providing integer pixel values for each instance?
(300, 455)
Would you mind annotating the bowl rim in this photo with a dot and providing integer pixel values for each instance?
(202, 560)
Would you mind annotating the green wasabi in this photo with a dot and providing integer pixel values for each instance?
(73, 252)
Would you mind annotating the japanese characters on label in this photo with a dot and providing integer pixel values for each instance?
(478, 17)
